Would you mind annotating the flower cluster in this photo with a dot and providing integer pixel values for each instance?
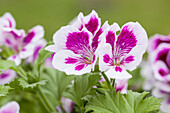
(157, 69)
(83, 44)
(22, 44)
(17, 44)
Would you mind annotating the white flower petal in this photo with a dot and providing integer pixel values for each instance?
(59, 63)
(111, 73)
(140, 48)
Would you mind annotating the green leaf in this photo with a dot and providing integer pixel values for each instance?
(7, 64)
(57, 83)
(21, 84)
(132, 102)
(4, 90)
(82, 88)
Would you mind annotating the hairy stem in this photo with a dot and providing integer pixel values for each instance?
(107, 80)
(47, 103)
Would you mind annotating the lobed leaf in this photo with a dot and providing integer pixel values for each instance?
(132, 102)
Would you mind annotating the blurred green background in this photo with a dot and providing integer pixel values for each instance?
(153, 15)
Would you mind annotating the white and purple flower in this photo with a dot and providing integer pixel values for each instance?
(162, 90)
(158, 69)
(6, 21)
(22, 44)
(7, 76)
(161, 62)
(68, 105)
(76, 45)
(11, 107)
(124, 51)
(39, 45)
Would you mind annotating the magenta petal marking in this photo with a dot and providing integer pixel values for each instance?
(107, 59)
(162, 55)
(10, 23)
(96, 39)
(117, 68)
(119, 88)
(79, 67)
(70, 60)
(4, 75)
(71, 106)
(168, 101)
(110, 38)
(29, 37)
(162, 72)
(125, 42)
(8, 41)
(129, 59)
(168, 59)
(159, 41)
(78, 42)
(93, 24)
(36, 50)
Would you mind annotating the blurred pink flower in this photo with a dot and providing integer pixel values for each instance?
(68, 105)
(11, 107)
(7, 76)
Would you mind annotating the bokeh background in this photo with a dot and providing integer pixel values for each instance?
(153, 15)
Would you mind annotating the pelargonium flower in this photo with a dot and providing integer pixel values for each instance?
(11, 107)
(39, 45)
(6, 21)
(123, 51)
(162, 90)
(7, 76)
(156, 40)
(22, 44)
(68, 105)
(161, 62)
(76, 45)
(147, 72)
(158, 66)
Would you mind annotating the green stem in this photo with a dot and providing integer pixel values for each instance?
(46, 100)
(62, 108)
(43, 104)
(107, 80)
(22, 73)
(113, 83)
(82, 109)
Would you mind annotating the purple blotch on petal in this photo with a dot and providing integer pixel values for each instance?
(36, 50)
(4, 75)
(157, 42)
(168, 101)
(78, 42)
(79, 67)
(8, 41)
(162, 72)
(163, 56)
(168, 59)
(96, 39)
(70, 60)
(125, 42)
(92, 25)
(29, 37)
(117, 68)
(129, 59)
(110, 38)
(107, 59)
